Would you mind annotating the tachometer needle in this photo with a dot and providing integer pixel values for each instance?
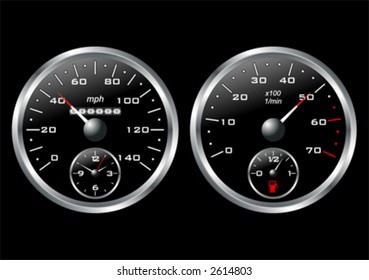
(293, 109)
(83, 118)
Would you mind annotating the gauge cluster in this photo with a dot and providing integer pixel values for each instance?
(128, 124)
(272, 130)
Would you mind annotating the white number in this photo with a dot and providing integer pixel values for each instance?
(228, 150)
(138, 129)
(80, 173)
(230, 122)
(320, 122)
(240, 97)
(109, 173)
(95, 158)
(46, 129)
(308, 97)
(95, 188)
(79, 81)
(259, 173)
(133, 157)
(112, 81)
(258, 80)
(59, 100)
(273, 159)
(314, 150)
(288, 80)
(54, 158)
(129, 100)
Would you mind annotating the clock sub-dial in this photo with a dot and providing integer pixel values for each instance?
(95, 173)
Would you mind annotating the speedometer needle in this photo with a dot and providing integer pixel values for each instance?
(83, 118)
(94, 129)
(294, 108)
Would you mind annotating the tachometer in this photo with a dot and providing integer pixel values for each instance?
(273, 129)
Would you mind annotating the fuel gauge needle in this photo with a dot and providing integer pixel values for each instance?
(83, 118)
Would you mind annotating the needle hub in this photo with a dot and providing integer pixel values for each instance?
(95, 130)
(273, 130)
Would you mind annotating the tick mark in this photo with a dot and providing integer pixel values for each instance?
(75, 70)
(227, 88)
(289, 71)
(319, 88)
(256, 69)
(144, 165)
(58, 79)
(154, 149)
(130, 81)
(153, 111)
(45, 93)
(115, 69)
(217, 154)
(35, 110)
(46, 165)
(146, 92)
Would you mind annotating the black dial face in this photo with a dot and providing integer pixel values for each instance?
(95, 98)
(274, 98)
(95, 173)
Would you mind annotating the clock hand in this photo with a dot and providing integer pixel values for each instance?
(100, 163)
(85, 167)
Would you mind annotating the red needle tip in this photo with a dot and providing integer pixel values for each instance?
(66, 101)
(302, 100)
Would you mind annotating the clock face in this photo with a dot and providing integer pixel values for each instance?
(95, 129)
(273, 129)
(95, 173)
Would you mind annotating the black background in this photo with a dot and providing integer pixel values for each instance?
(184, 218)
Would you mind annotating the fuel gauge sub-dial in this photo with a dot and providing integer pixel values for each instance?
(273, 173)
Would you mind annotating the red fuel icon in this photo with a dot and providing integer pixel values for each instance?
(273, 186)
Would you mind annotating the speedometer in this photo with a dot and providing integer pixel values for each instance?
(95, 129)
(273, 129)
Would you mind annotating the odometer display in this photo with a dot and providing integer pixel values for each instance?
(266, 106)
(95, 99)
